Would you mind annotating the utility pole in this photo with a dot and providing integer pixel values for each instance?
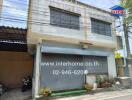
(129, 57)
(121, 21)
(1, 6)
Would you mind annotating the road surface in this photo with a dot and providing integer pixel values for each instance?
(128, 97)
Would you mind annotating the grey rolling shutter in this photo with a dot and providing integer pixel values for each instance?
(55, 17)
(64, 19)
(75, 23)
(96, 65)
(61, 81)
(101, 27)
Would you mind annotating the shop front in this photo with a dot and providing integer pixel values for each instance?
(66, 67)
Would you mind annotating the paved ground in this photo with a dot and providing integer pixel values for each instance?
(117, 95)
(128, 97)
(16, 95)
(113, 95)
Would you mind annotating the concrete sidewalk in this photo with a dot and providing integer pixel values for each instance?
(16, 94)
(100, 96)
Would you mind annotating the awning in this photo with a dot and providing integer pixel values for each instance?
(76, 51)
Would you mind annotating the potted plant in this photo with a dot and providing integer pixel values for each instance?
(105, 83)
(88, 87)
(98, 81)
(45, 91)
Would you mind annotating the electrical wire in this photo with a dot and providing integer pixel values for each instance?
(42, 5)
(23, 2)
(39, 22)
(25, 20)
(37, 11)
(42, 14)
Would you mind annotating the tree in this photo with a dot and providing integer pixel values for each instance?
(127, 4)
(127, 21)
(127, 25)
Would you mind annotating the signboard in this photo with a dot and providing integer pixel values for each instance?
(117, 11)
(117, 55)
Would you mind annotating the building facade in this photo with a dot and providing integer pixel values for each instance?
(63, 31)
(15, 61)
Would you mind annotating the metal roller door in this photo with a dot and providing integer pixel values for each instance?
(61, 81)
(64, 81)
(96, 64)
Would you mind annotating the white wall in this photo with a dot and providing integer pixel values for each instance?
(111, 66)
(36, 76)
(130, 43)
(90, 79)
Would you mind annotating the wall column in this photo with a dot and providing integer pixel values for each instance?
(111, 66)
(36, 81)
(130, 70)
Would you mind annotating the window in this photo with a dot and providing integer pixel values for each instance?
(101, 27)
(64, 19)
(71, 0)
(119, 41)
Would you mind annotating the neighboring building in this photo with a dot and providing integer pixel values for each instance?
(124, 43)
(60, 30)
(15, 61)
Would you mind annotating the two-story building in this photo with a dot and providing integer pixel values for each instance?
(68, 37)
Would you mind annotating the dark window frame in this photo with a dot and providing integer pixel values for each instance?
(120, 43)
(64, 19)
(101, 27)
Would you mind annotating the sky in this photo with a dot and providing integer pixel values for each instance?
(15, 11)
(104, 4)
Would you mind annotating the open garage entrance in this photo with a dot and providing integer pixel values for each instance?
(15, 61)
(13, 67)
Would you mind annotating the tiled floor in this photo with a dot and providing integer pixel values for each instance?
(16, 94)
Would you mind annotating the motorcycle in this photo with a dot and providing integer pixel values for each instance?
(3, 89)
(26, 84)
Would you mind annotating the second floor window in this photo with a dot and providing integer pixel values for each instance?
(100, 27)
(64, 19)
